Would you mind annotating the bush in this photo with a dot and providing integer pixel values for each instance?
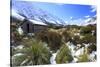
(76, 40)
(64, 55)
(52, 38)
(66, 36)
(86, 30)
(13, 28)
(91, 48)
(16, 38)
(42, 35)
(35, 54)
(83, 58)
(88, 38)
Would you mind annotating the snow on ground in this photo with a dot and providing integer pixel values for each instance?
(75, 53)
(24, 61)
(71, 47)
(92, 56)
(74, 60)
(52, 59)
(18, 54)
(20, 30)
(80, 51)
(19, 47)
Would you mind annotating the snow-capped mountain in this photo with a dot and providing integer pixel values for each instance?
(27, 10)
(82, 21)
(91, 20)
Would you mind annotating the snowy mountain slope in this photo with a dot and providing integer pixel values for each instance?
(82, 21)
(35, 13)
(91, 20)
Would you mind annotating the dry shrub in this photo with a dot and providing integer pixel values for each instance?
(66, 35)
(51, 37)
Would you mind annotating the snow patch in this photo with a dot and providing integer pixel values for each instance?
(52, 59)
(20, 30)
(79, 52)
(37, 22)
(74, 60)
(18, 54)
(19, 47)
(92, 56)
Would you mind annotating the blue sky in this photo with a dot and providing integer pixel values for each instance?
(66, 12)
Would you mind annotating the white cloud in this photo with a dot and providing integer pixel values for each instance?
(87, 16)
(71, 18)
(93, 8)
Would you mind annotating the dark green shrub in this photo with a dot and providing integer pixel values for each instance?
(86, 30)
(64, 55)
(76, 40)
(91, 48)
(88, 38)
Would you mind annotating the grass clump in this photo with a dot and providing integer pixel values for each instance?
(64, 55)
(35, 54)
(83, 58)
